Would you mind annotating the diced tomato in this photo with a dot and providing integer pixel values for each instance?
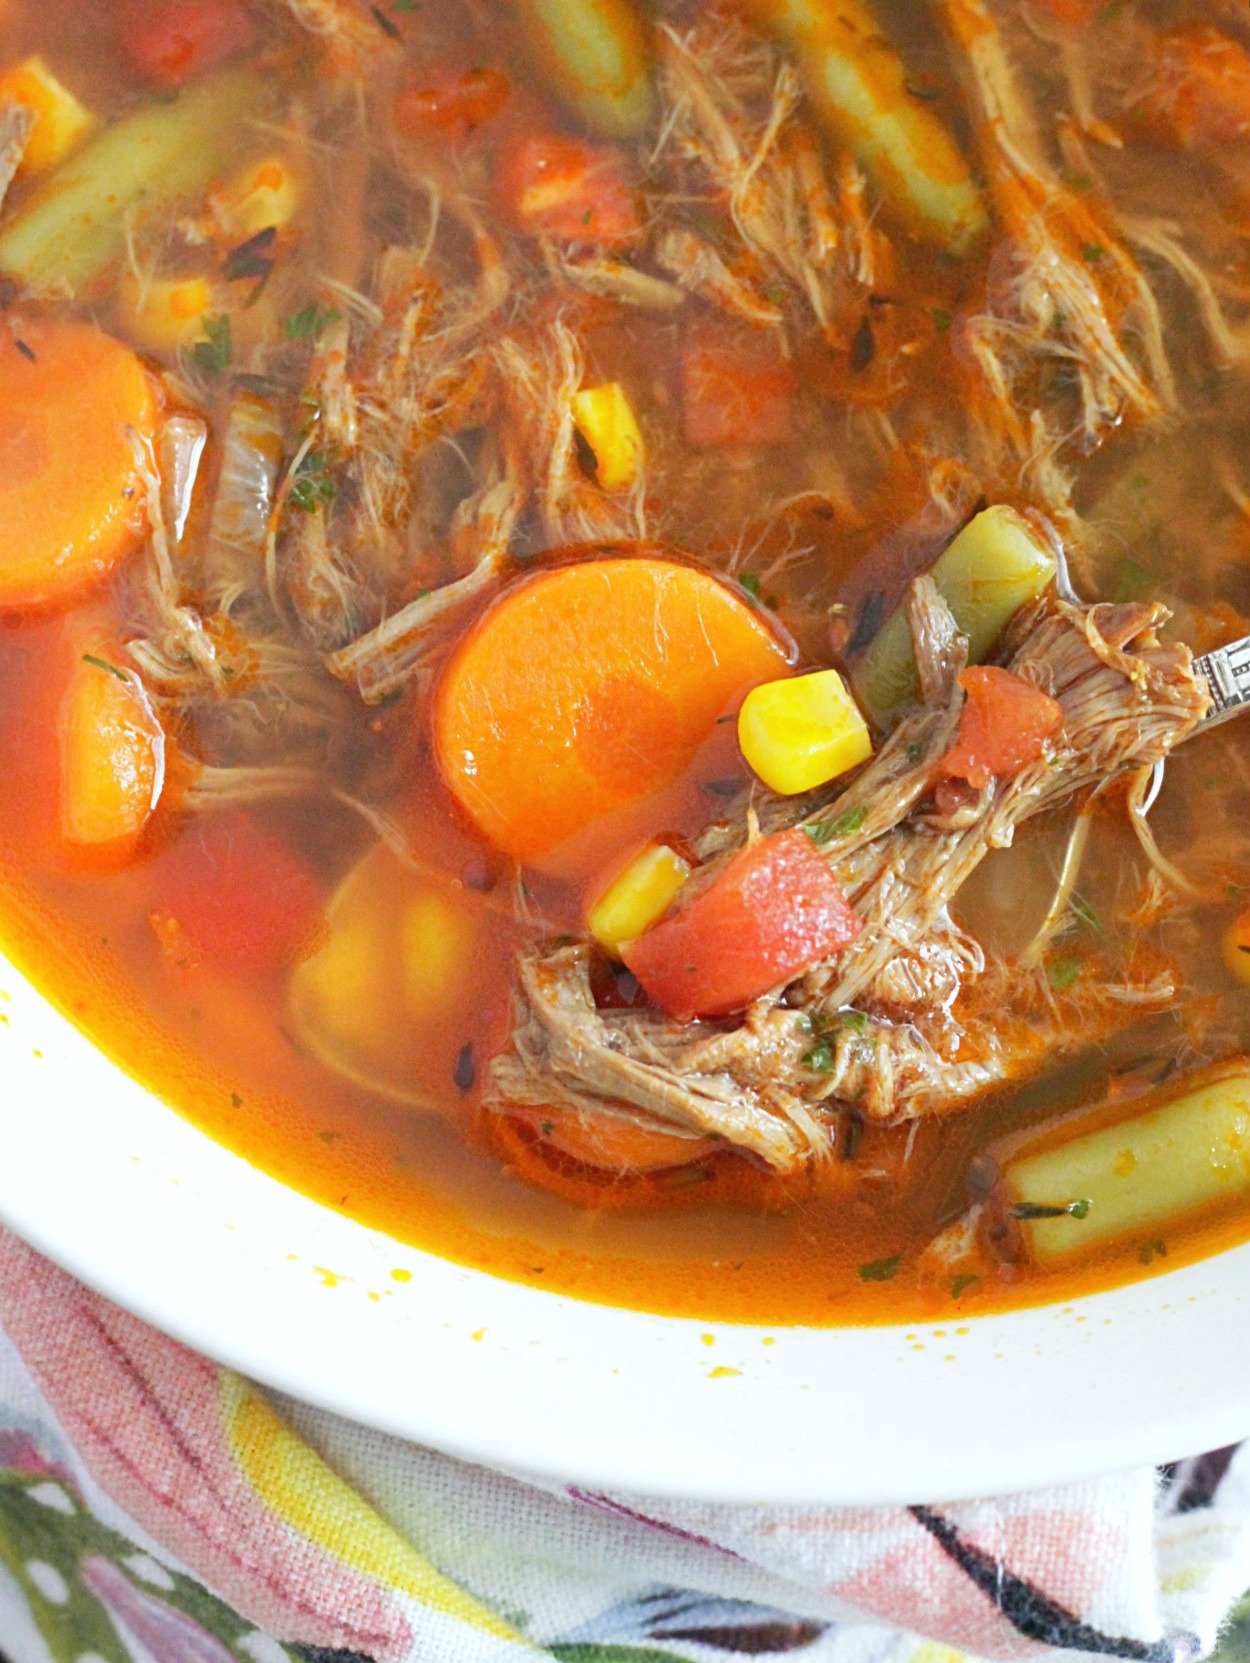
(558, 187)
(171, 41)
(1004, 727)
(772, 911)
(232, 895)
(1072, 12)
(453, 107)
(735, 392)
(1199, 95)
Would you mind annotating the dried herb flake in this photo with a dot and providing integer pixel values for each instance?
(1026, 1211)
(103, 664)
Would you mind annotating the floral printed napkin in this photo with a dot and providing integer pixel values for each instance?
(155, 1508)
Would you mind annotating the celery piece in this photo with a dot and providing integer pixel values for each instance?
(1165, 1163)
(863, 94)
(75, 224)
(994, 566)
(595, 54)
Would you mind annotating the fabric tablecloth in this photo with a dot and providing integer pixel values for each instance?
(155, 1508)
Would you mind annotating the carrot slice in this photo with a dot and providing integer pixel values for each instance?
(1004, 727)
(720, 1178)
(71, 498)
(769, 913)
(112, 758)
(587, 689)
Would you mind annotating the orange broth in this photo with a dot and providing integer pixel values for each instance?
(216, 1040)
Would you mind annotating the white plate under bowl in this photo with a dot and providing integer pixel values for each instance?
(109, 1182)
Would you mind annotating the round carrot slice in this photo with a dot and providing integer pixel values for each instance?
(71, 499)
(587, 689)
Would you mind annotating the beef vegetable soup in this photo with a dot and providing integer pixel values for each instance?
(594, 597)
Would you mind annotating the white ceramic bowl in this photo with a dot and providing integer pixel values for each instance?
(109, 1182)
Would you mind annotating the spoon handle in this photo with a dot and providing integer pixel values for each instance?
(1227, 670)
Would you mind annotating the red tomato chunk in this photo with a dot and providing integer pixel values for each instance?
(1200, 92)
(454, 107)
(237, 898)
(557, 187)
(772, 911)
(171, 41)
(1004, 727)
(735, 393)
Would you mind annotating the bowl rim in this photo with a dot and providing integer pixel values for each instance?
(307, 1302)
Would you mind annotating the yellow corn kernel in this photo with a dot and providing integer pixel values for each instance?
(437, 940)
(802, 732)
(608, 425)
(637, 898)
(1236, 946)
(166, 313)
(60, 120)
(264, 195)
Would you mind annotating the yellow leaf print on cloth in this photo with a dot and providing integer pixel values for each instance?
(292, 1480)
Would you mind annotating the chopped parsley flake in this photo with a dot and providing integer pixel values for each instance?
(310, 320)
(846, 824)
(312, 483)
(1086, 913)
(1063, 974)
(881, 1270)
(820, 1058)
(212, 355)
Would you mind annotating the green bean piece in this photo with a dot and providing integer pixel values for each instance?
(1163, 1164)
(76, 223)
(597, 57)
(996, 564)
(862, 92)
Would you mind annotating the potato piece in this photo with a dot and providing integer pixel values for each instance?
(996, 564)
(264, 196)
(166, 313)
(438, 937)
(1235, 944)
(1166, 1162)
(402, 957)
(61, 122)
